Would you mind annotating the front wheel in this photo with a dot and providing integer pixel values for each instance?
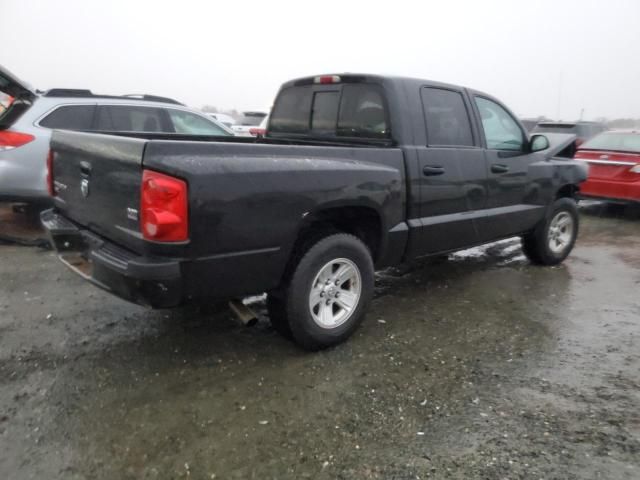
(327, 295)
(554, 237)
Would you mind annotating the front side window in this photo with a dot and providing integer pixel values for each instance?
(191, 124)
(70, 117)
(447, 118)
(501, 131)
(291, 111)
(124, 118)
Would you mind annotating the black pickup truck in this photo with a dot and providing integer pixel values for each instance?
(355, 173)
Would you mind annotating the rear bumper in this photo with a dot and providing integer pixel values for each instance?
(610, 189)
(146, 281)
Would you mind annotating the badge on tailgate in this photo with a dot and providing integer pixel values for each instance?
(84, 187)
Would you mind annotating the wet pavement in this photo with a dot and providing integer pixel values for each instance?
(478, 367)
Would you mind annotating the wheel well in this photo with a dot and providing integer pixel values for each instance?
(567, 191)
(361, 222)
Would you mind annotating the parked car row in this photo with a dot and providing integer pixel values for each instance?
(249, 124)
(30, 117)
(252, 124)
(163, 206)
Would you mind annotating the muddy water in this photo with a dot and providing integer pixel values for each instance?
(480, 366)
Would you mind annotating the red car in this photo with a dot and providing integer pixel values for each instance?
(614, 166)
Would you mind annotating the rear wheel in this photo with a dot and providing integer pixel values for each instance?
(553, 239)
(326, 296)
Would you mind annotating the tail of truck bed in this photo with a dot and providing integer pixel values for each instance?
(96, 183)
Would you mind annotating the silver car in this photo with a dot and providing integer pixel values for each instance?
(28, 120)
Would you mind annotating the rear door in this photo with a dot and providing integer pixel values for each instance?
(13, 86)
(452, 174)
(16, 97)
(512, 205)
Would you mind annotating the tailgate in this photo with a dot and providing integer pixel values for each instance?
(97, 182)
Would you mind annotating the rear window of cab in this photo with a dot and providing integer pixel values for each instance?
(347, 110)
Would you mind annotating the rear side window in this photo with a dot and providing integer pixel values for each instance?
(120, 118)
(362, 112)
(291, 111)
(192, 124)
(70, 117)
(447, 119)
(356, 110)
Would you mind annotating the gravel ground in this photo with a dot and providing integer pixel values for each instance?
(479, 367)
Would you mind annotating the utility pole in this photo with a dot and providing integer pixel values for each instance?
(559, 97)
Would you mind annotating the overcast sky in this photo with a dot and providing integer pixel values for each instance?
(551, 58)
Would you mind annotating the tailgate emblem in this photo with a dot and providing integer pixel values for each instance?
(132, 213)
(84, 187)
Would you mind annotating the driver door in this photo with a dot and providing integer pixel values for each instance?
(513, 206)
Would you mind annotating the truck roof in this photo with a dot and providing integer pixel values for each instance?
(363, 77)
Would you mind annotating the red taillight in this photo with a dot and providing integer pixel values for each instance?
(164, 214)
(257, 132)
(9, 139)
(324, 79)
(52, 191)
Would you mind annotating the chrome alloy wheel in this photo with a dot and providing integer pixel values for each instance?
(560, 232)
(335, 293)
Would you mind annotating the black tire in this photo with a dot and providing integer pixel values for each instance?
(292, 315)
(536, 245)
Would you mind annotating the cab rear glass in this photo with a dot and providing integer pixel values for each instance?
(351, 111)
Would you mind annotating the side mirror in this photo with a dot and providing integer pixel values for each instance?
(538, 143)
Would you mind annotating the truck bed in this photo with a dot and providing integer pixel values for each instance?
(247, 199)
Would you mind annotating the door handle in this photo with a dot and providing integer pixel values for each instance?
(499, 168)
(431, 170)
